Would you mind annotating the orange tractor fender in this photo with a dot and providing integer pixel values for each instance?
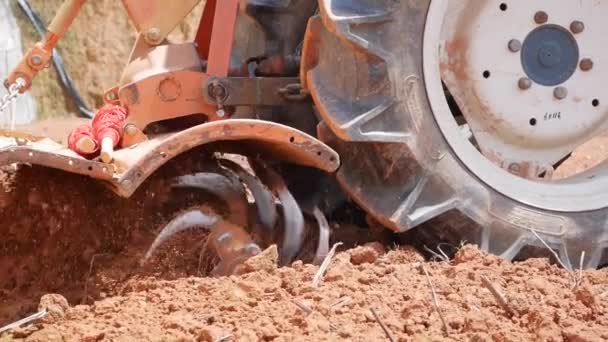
(133, 165)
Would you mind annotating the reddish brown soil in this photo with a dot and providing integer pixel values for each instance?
(280, 304)
(68, 235)
(58, 230)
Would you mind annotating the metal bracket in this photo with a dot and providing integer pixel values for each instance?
(254, 91)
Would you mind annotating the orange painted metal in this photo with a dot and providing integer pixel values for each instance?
(205, 27)
(135, 164)
(222, 35)
(162, 15)
(37, 58)
(166, 84)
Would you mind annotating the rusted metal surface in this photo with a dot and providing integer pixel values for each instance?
(166, 84)
(158, 15)
(17, 147)
(135, 164)
(310, 49)
(221, 38)
(230, 242)
(253, 91)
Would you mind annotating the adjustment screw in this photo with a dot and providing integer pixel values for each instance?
(514, 45)
(586, 64)
(524, 83)
(577, 27)
(560, 93)
(541, 17)
(153, 36)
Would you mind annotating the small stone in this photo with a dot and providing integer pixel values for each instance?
(585, 296)
(403, 255)
(468, 253)
(211, 334)
(266, 261)
(56, 306)
(23, 332)
(94, 337)
(367, 253)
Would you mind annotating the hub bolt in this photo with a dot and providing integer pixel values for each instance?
(560, 93)
(524, 83)
(586, 64)
(514, 168)
(541, 17)
(514, 45)
(577, 27)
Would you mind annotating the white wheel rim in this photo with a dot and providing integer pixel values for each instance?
(586, 192)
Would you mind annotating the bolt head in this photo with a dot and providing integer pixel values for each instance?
(524, 83)
(217, 91)
(514, 168)
(153, 35)
(577, 27)
(586, 64)
(131, 129)
(21, 141)
(541, 17)
(560, 93)
(111, 96)
(36, 60)
(514, 45)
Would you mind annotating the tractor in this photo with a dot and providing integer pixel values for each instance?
(410, 109)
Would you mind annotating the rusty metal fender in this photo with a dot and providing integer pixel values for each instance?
(19, 148)
(133, 165)
(136, 163)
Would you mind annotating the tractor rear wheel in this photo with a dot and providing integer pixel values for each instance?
(466, 106)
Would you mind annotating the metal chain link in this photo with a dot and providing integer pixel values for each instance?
(13, 93)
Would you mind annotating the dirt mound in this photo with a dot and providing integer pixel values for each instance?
(352, 303)
(68, 234)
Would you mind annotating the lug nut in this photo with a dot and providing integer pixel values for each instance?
(560, 93)
(524, 83)
(514, 45)
(586, 64)
(577, 27)
(541, 17)
(514, 168)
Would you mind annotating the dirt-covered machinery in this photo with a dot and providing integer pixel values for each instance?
(417, 109)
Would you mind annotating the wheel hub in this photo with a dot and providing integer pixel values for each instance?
(549, 55)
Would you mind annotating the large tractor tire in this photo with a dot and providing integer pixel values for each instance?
(378, 76)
